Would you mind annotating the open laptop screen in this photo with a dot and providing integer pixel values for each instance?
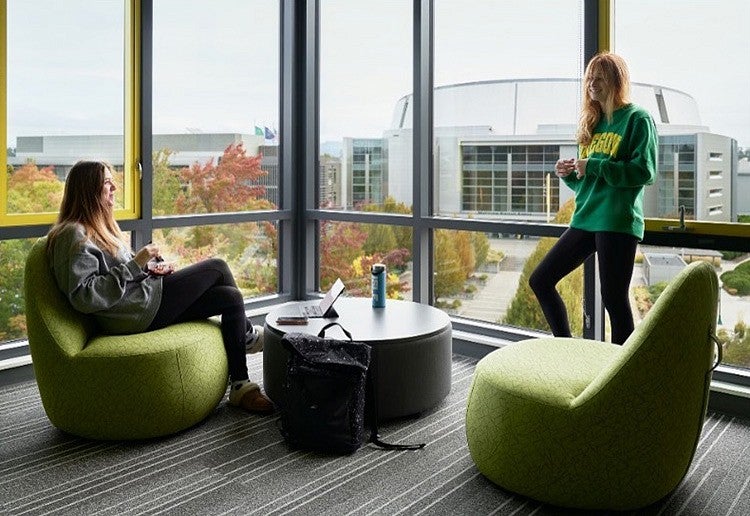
(332, 295)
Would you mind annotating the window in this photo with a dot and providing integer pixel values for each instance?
(704, 143)
(365, 117)
(365, 152)
(66, 100)
(505, 107)
(716, 125)
(215, 106)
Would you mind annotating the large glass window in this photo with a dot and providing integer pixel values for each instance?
(65, 99)
(699, 102)
(505, 103)
(702, 112)
(215, 106)
(365, 154)
(365, 118)
(250, 250)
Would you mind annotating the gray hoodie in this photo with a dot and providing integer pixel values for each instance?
(114, 289)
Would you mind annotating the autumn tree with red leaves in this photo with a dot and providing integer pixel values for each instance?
(230, 185)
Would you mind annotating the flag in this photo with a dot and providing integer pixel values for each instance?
(269, 134)
(258, 131)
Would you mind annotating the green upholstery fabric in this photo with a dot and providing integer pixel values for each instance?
(118, 386)
(591, 425)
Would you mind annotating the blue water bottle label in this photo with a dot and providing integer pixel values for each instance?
(378, 285)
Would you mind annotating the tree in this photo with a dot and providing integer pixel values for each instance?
(384, 238)
(450, 271)
(380, 239)
(250, 249)
(167, 185)
(341, 245)
(34, 190)
(229, 186)
(524, 309)
(736, 345)
(481, 244)
(12, 306)
(30, 190)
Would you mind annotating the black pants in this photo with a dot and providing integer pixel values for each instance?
(616, 252)
(199, 291)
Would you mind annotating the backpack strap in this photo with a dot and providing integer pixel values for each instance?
(373, 412)
(322, 332)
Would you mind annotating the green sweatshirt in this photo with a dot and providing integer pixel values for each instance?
(621, 161)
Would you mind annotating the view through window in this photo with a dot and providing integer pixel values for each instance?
(506, 102)
(215, 125)
(63, 93)
(364, 156)
(701, 107)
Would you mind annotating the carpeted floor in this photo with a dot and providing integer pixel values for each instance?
(234, 463)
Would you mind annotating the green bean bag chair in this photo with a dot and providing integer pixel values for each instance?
(117, 386)
(590, 425)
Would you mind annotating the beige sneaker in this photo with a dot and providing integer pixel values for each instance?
(254, 339)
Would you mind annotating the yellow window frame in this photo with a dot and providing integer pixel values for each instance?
(725, 229)
(132, 159)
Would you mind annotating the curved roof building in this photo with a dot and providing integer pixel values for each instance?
(496, 143)
(534, 106)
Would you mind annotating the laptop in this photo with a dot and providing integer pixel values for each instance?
(325, 307)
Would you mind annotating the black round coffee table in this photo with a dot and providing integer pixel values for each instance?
(411, 350)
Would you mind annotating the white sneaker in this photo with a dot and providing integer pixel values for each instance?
(254, 339)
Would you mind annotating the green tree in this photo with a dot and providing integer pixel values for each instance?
(481, 244)
(737, 281)
(450, 269)
(12, 310)
(380, 239)
(736, 345)
(30, 190)
(34, 190)
(383, 238)
(167, 185)
(524, 309)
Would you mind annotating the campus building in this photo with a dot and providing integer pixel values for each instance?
(496, 144)
(62, 152)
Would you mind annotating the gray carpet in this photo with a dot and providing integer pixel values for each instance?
(234, 463)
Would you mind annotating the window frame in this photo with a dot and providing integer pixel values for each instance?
(131, 126)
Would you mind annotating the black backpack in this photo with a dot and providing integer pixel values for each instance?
(329, 403)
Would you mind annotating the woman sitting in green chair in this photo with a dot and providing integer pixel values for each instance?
(99, 274)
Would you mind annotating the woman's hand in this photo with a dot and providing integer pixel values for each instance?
(564, 167)
(580, 166)
(146, 253)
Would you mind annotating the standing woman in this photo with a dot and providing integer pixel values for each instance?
(99, 274)
(617, 147)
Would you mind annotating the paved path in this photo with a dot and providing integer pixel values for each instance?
(492, 300)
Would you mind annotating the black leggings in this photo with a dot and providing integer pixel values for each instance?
(616, 252)
(199, 291)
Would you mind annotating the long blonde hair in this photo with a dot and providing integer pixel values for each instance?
(614, 71)
(82, 203)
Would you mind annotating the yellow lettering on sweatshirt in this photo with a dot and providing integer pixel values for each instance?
(602, 143)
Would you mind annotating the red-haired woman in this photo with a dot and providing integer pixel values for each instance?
(617, 153)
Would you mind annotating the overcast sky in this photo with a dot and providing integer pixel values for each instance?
(216, 63)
